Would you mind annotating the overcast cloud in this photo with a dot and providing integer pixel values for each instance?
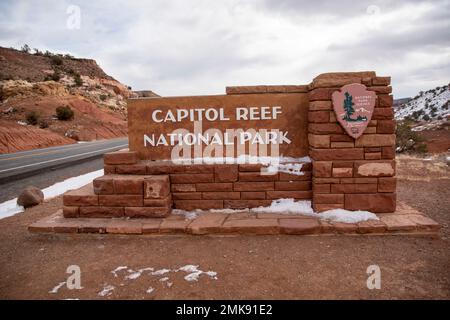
(192, 47)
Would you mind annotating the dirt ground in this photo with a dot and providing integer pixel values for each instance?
(248, 267)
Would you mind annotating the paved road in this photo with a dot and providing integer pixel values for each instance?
(20, 164)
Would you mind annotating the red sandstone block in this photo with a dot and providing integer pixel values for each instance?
(207, 223)
(226, 173)
(109, 169)
(120, 157)
(383, 114)
(167, 167)
(101, 212)
(342, 164)
(131, 169)
(345, 228)
(261, 195)
(326, 227)
(375, 140)
(322, 169)
(216, 186)
(337, 154)
(372, 156)
(147, 212)
(377, 202)
(342, 172)
(373, 123)
(190, 187)
(380, 89)
(423, 222)
(283, 176)
(294, 88)
(250, 226)
(336, 81)
(151, 225)
(104, 185)
(367, 81)
(81, 197)
(387, 184)
(340, 138)
(190, 205)
(319, 116)
(354, 188)
(121, 200)
(321, 94)
(70, 212)
(242, 204)
(385, 100)
(381, 81)
(386, 126)
(374, 168)
(397, 222)
(299, 226)
(229, 195)
(321, 188)
(321, 207)
(196, 168)
(326, 180)
(332, 116)
(359, 180)
(293, 185)
(388, 152)
(319, 140)
(124, 227)
(370, 130)
(94, 225)
(325, 128)
(192, 178)
(165, 202)
(329, 198)
(320, 105)
(187, 196)
(253, 186)
(289, 194)
(371, 226)
(257, 176)
(346, 144)
(174, 226)
(372, 149)
(156, 187)
(128, 185)
(307, 166)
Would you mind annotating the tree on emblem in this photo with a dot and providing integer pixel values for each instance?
(349, 110)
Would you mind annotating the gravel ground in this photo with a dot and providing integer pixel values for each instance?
(248, 267)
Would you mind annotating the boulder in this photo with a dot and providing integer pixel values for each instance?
(30, 196)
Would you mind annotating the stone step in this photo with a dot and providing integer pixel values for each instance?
(85, 203)
(150, 186)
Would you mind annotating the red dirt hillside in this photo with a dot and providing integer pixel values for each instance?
(39, 83)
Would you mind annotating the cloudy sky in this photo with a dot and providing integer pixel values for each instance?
(190, 47)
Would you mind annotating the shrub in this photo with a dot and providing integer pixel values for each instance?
(78, 80)
(103, 97)
(426, 117)
(408, 140)
(64, 113)
(25, 48)
(32, 117)
(55, 77)
(43, 124)
(56, 60)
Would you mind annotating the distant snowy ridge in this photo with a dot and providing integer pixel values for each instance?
(429, 105)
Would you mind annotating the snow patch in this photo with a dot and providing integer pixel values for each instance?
(10, 207)
(150, 290)
(107, 291)
(292, 207)
(57, 287)
(114, 272)
(194, 272)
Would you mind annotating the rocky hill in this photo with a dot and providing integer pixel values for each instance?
(33, 85)
(430, 105)
(423, 122)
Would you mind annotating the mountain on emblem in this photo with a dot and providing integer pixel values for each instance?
(354, 105)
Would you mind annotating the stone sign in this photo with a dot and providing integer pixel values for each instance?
(353, 106)
(219, 126)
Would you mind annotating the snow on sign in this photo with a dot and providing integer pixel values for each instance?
(353, 105)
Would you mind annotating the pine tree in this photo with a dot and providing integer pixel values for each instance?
(348, 106)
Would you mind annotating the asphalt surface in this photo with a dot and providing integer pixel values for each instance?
(18, 165)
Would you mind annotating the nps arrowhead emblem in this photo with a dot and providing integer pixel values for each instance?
(353, 105)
